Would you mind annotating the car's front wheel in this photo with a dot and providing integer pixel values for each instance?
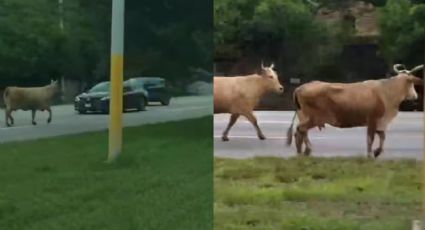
(142, 104)
(165, 101)
(81, 111)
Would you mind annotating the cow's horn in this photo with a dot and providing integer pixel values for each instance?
(397, 70)
(417, 68)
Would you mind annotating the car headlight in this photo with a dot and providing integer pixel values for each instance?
(77, 99)
(104, 98)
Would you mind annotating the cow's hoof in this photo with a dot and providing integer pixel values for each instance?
(307, 152)
(224, 138)
(34, 123)
(377, 152)
(262, 137)
(8, 125)
(49, 120)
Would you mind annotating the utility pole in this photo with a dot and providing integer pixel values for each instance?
(117, 61)
(61, 27)
(423, 157)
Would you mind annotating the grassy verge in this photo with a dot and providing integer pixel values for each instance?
(161, 181)
(316, 194)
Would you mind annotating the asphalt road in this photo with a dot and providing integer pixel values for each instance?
(404, 138)
(67, 121)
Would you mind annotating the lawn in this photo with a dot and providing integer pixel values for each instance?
(161, 181)
(316, 194)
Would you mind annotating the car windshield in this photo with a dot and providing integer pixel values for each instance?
(146, 82)
(101, 87)
(134, 83)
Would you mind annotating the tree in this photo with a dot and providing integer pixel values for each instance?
(34, 50)
(167, 38)
(284, 30)
(402, 32)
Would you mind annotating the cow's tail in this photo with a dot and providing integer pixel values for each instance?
(291, 128)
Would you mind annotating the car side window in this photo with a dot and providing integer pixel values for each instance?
(137, 84)
(127, 89)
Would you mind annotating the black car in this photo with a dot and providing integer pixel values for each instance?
(156, 87)
(97, 98)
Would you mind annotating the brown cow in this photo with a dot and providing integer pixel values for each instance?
(239, 95)
(29, 98)
(372, 103)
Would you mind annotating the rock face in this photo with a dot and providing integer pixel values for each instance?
(363, 16)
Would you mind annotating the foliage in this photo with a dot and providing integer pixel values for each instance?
(168, 37)
(403, 32)
(161, 38)
(284, 30)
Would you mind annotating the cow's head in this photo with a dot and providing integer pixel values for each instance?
(409, 80)
(271, 80)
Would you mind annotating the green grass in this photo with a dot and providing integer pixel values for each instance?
(316, 194)
(161, 181)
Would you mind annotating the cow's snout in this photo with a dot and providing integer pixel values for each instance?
(280, 89)
(412, 97)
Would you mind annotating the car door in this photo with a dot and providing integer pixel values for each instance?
(128, 97)
(156, 89)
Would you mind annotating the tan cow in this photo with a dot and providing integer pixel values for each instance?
(29, 98)
(372, 103)
(239, 95)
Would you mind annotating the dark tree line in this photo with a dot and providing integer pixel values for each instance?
(163, 38)
(285, 31)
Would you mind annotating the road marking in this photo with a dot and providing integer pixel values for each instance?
(189, 108)
(255, 137)
(260, 122)
(16, 127)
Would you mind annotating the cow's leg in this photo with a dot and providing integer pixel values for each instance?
(12, 121)
(232, 121)
(298, 141)
(50, 115)
(307, 142)
(379, 150)
(370, 139)
(6, 113)
(302, 136)
(9, 117)
(253, 121)
(33, 117)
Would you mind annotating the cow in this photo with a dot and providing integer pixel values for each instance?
(29, 98)
(239, 95)
(371, 103)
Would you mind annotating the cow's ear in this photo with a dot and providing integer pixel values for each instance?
(262, 72)
(416, 80)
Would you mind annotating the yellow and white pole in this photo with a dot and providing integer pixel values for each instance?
(117, 61)
(423, 148)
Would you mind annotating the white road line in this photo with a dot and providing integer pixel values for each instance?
(189, 108)
(267, 137)
(260, 122)
(311, 137)
(16, 127)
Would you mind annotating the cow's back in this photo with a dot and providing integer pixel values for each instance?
(224, 93)
(341, 105)
(24, 98)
